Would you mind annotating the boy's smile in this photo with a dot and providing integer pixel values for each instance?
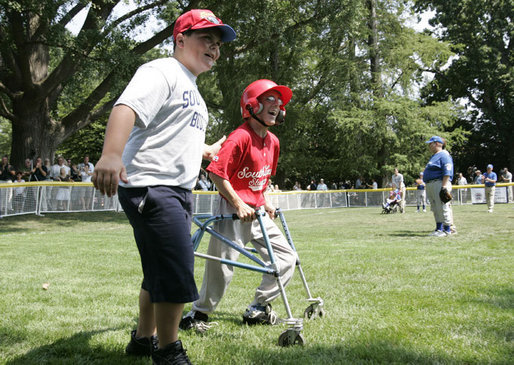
(271, 101)
(200, 50)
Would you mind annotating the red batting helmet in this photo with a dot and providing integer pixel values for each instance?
(256, 89)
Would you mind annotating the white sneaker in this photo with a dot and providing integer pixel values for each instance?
(260, 314)
(438, 234)
(424, 210)
(490, 211)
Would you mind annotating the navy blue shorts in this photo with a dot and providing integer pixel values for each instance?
(161, 219)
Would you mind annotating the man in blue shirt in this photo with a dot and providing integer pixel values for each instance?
(437, 176)
(490, 179)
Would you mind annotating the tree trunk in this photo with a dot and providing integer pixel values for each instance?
(374, 60)
(33, 134)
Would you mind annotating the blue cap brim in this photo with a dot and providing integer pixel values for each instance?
(227, 33)
(435, 139)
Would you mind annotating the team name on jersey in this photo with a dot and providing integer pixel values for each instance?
(257, 182)
(198, 122)
(192, 98)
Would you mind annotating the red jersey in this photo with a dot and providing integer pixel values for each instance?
(247, 161)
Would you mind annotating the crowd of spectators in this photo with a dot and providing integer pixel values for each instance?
(38, 170)
(67, 171)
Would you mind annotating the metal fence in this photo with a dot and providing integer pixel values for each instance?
(53, 197)
(58, 197)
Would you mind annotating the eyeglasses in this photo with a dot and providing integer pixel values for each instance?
(272, 99)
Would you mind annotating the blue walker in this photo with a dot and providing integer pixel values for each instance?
(292, 335)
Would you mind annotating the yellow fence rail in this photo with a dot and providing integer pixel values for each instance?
(57, 197)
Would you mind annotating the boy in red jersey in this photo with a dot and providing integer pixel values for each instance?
(241, 171)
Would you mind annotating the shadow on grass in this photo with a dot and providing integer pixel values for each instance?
(502, 298)
(219, 316)
(76, 350)
(379, 352)
(408, 234)
(231, 317)
(20, 223)
(5, 228)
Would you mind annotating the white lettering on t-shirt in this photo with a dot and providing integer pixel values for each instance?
(256, 183)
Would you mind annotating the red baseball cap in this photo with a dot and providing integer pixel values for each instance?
(201, 19)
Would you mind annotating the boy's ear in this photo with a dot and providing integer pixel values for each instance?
(180, 40)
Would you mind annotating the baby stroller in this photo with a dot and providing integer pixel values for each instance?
(392, 204)
(292, 335)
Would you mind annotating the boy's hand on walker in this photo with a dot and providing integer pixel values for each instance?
(271, 210)
(246, 213)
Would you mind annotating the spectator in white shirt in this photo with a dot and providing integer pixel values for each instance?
(398, 183)
(55, 171)
(322, 185)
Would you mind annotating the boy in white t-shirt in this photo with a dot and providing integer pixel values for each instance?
(153, 150)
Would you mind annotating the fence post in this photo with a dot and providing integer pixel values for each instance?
(38, 200)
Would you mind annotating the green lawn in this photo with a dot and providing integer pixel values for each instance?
(392, 294)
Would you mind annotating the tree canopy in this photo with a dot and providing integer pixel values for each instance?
(54, 83)
(480, 33)
(354, 67)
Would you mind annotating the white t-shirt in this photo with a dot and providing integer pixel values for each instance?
(80, 166)
(85, 177)
(322, 187)
(56, 170)
(19, 190)
(166, 144)
(397, 180)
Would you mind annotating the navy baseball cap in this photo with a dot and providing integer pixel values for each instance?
(201, 19)
(435, 139)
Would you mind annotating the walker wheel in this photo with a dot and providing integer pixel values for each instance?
(291, 337)
(313, 311)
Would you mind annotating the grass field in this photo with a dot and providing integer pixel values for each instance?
(392, 294)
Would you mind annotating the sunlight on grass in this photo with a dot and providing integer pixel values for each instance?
(392, 294)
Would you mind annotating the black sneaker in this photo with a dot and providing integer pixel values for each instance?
(172, 354)
(141, 346)
(195, 320)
